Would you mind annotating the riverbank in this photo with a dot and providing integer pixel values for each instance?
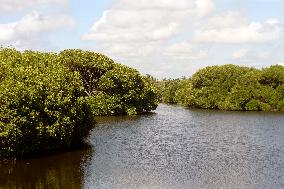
(49, 100)
(228, 87)
(173, 148)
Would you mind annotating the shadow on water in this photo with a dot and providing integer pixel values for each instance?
(58, 171)
(113, 119)
(174, 148)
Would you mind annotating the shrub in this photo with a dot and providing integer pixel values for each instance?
(229, 87)
(111, 88)
(265, 107)
(280, 106)
(42, 105)
(253, 105)
(48, 100)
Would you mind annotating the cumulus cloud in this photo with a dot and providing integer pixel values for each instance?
(30, 27)
(132, 25)
(148, 20)
(185, 50)
(169, 36)
(148, 29)
(233, 27)
(154, 4)
(204, 7)
(240, 54)
(13, 6)
(251, 57)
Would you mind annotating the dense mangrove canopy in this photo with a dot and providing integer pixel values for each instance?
(111, 88)
(48, 101)
(229, 87)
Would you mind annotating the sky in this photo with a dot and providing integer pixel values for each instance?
(164, 38)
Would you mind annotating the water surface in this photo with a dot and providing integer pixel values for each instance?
(172, 148)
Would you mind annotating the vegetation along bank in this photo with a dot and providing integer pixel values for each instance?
(48, 100)
(228, 87)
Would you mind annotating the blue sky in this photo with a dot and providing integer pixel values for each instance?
(165, 38)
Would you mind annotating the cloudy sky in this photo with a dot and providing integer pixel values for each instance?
(164, 38)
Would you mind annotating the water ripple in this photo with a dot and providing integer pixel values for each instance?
(181, 148)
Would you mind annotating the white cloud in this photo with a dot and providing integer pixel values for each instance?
(251, 56)
(149, 29)
(185, 50)
(179, 48)
(240, 54)
(154, 4)
(223, 20)
(204, 7)
(13, 6)
(131, 25)
(146, 20)
(168, 37)
(235, 28)
(30, 27)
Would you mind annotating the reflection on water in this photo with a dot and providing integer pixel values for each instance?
(59, 171)
(173, 148)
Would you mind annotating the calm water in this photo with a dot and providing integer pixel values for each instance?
(173, 148)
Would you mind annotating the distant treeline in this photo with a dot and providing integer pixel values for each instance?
(228, 87)
(48, 101)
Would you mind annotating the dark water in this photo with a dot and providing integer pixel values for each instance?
(174, 148)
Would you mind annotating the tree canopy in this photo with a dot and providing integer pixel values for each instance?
(111, 88)
(229, 87)
(48, 100)
(42, 104)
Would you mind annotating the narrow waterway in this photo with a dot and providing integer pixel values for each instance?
(172, 148)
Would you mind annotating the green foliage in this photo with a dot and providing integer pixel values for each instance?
(104, 104)
(111, 88)
(272, 76)
(265, 107)
(253, 105)
(168, 89)
(183, 95)
(230, 87)
(42, 104)
(280, 105)
(90, 65)
(245, 89)
(48, 100)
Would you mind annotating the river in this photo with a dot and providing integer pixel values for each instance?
(172, 148)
